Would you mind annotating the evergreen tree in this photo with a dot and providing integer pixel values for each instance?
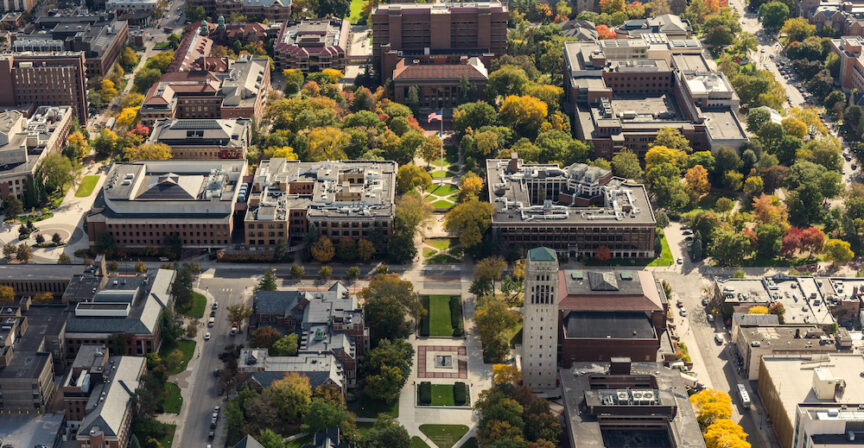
(268, 281)
(413, 99)
(696, 248)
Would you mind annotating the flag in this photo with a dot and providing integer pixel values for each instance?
(435, 116)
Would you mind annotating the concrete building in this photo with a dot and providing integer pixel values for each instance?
(575, 211)
(18, 5)
(848, 48)
(756, 342)
(802, 297)
(620, 404)
(101, 37)
(671, 25)
(347, 199)
(121, 7)
(312, 45)
(539, 329)
(259, 369)
(203, 139)
(795, 390)
(31, 340)
(624, 91)
(325, 321)
(417, 30)
(130, 307)
(44, 79)
(142, 204)
(255, 10)
(604, 315)
(29, 280)
(24, 142)
(438, 81)
(241, 92)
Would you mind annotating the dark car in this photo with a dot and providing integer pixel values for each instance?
(213, 313)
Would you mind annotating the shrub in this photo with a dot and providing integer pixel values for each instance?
(425, 393)
(460, 393)
(456, 316)
(424, 321)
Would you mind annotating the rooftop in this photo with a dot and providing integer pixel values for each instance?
(40, 271)
(438, 8)
(603, 324)
(107, 407)
(31, 430)
(318, 367)
(314, 36)
(227, 133)
(787, 337)
(23, 141)
(407, 71)
(28, 359)
(609, 291)
(800, 296)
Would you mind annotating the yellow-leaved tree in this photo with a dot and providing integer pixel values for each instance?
(148, 151)
(725, 433)
(758, 310)
(504, 373)
(711, 405)
(126, 118)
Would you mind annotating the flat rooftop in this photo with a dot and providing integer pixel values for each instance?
(800, 296)
(723, 124)
(31, 430)
(44, 321)
(609, 324)
(780, 337)
(690, 63)
(647, 107)
(35, 272)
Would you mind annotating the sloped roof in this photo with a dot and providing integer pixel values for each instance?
(408, 71)
(542, 254)
(602, 281)
(248, 442)
(107, 412)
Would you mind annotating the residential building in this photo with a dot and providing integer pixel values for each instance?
(795, 390)
(325, 321)
(31, 340)
(539, 327)
(603, 315)
(845, 17)
(18, 5)
(848, 49)
(347, 199)
(241, 92)
(101, 37)
(109, 389)
(259, 369)
(438, 81)
(756, 342)
(673, 26)
(575, 211)
(254, 10)
(802, 297)
(130, 307)
(29, 280)
(621, 403)
(203, 139)
(141, 204)
(44, 79)
(25, 142)
(328, 439)
(624, 91)
(312, 45)
(465, 29)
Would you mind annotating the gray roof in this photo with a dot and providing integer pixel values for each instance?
(106, 413)
(19, 272)
(29, 357)
(276, 302)
(602, 281)
(248, 442)
(327, 439)
(616, 325)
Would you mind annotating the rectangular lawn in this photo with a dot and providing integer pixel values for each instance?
(369, 408)
(173, 401)
(86, 187)
(445, 436)
(196, 308)
(186, 347)
(439, 316)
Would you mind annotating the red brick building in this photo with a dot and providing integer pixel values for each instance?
(254, 10)
(313, 45)
(45, 79)
(438, 81)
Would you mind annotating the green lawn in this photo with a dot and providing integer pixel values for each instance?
(173, 401)
(297, 443)
(445, 436)
(169, 439)
(428, 252)
(709, 202)
(665, 258)
(187, 347)
(366, 407)
(196, 309)
(356, 10)
(443, 259)
(85, 188)
(442, 395)
(470, 443)
(439, 319)
(440, 243)
(443, 203)
(444, 190)
(417, 442)
(364, 427)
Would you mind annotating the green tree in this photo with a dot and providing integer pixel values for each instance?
(12, 207)
(268, 281)
(469, 221)
(387, 299)
(325, 272)
(410, 177)
(56, 171)
(270, 439)
(492, 319)
(385, 433)
(297, 271)
(387, 368)
(770, 240)
(290, 396)
(626, 165)
(756, 118)
(322, 415)
(672, 138)
(238, 313)
(773, 15)
(473, 115)
(507, 80)
(286, 346)
(729, 248)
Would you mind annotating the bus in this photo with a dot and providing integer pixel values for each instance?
(744, 395)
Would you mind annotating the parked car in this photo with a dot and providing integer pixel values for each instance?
(683, 312)
(710, 318)
(704, 302)
(719, 338)
(207, 336)
(213, 313)
(679, 304)
(680, 260)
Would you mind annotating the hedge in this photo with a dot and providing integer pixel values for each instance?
(456, 316)
(460, 392)
(425, 393)
(424, 321)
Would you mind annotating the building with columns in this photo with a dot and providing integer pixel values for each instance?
(540, 320)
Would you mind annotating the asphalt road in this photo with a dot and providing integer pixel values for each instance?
(200, 394)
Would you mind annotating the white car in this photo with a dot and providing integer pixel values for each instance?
(207, 336)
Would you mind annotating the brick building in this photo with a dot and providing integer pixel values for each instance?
(254, 10)
(574, 211)
(464, 29)
(203, 139)
(143, 203)
(24, 142)
(34, 279)
(312, 45)
(438, 81)
(848, 48)
(18, 5)
(45, 79)
(241, 92)
(353, 199)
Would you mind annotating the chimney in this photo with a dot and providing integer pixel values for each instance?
(513, 166)
(619, 366)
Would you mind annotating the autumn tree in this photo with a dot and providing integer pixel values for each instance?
(7, 294)
(264, 337)
(410, 177)
(470, 186)
(238, 313)
(431, 149)
(504, 373)
(469, 221)
(672, 138)
(603, 254)
(290, 395)
(525, 114)
(768, 209)
(711, 405)
(323, 249)
(148, 151)
(838, 252)
(697, 183)
(326, 143)
(126, 118)
(758, 310)
(662, 154)
(724, 433)
(492, 319)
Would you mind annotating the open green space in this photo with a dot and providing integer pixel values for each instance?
(665, 258)
(169, 438)
(443, 259)
(356, 11)
(417, 442)
(449, 172)
(186, 347)
(369, 408)
(297, 443)
(428, 252)
(161, 46)
(443, 203)
(196, 308)
(709, 202)
(445, 436)
(173, 400)
(444, 190)
(470, 443)
(364, 427)
(439, 243)
(85, 188)
(439, 316)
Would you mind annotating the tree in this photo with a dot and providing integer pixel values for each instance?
(626, 165)
(7, 294)
(729, 248)
(505, 374)
(64, 259)
(323, 249)
(813, 240)
(756, 118)
(238, 313)
(270, 439)
(140, 267)
(290, 396)
(352, 273)
(525, 114)
(470, 186)
(347, 249)
(492, 319)
(507, 80)
(473, 115)
(794, 127)
(770, 240)
(23, 253)
(297, 271)
(431, 149)
(148, 151)
(325, 272)
(661, 154)
(385, 433)
(55, 171)
(724, 433)
(549, 94)
(469, 221)
(711, 405)
(268, 281)
(326, 143)
(323, 414)
(12, 207)
(264, 337)
(697, 183)
(797, 29)
(758, 310)
(672, 138)
(285, 346)
(490, 270)
(387, 299)
(387, 368)
(838, 252)
(773, 15)
(410, 177)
